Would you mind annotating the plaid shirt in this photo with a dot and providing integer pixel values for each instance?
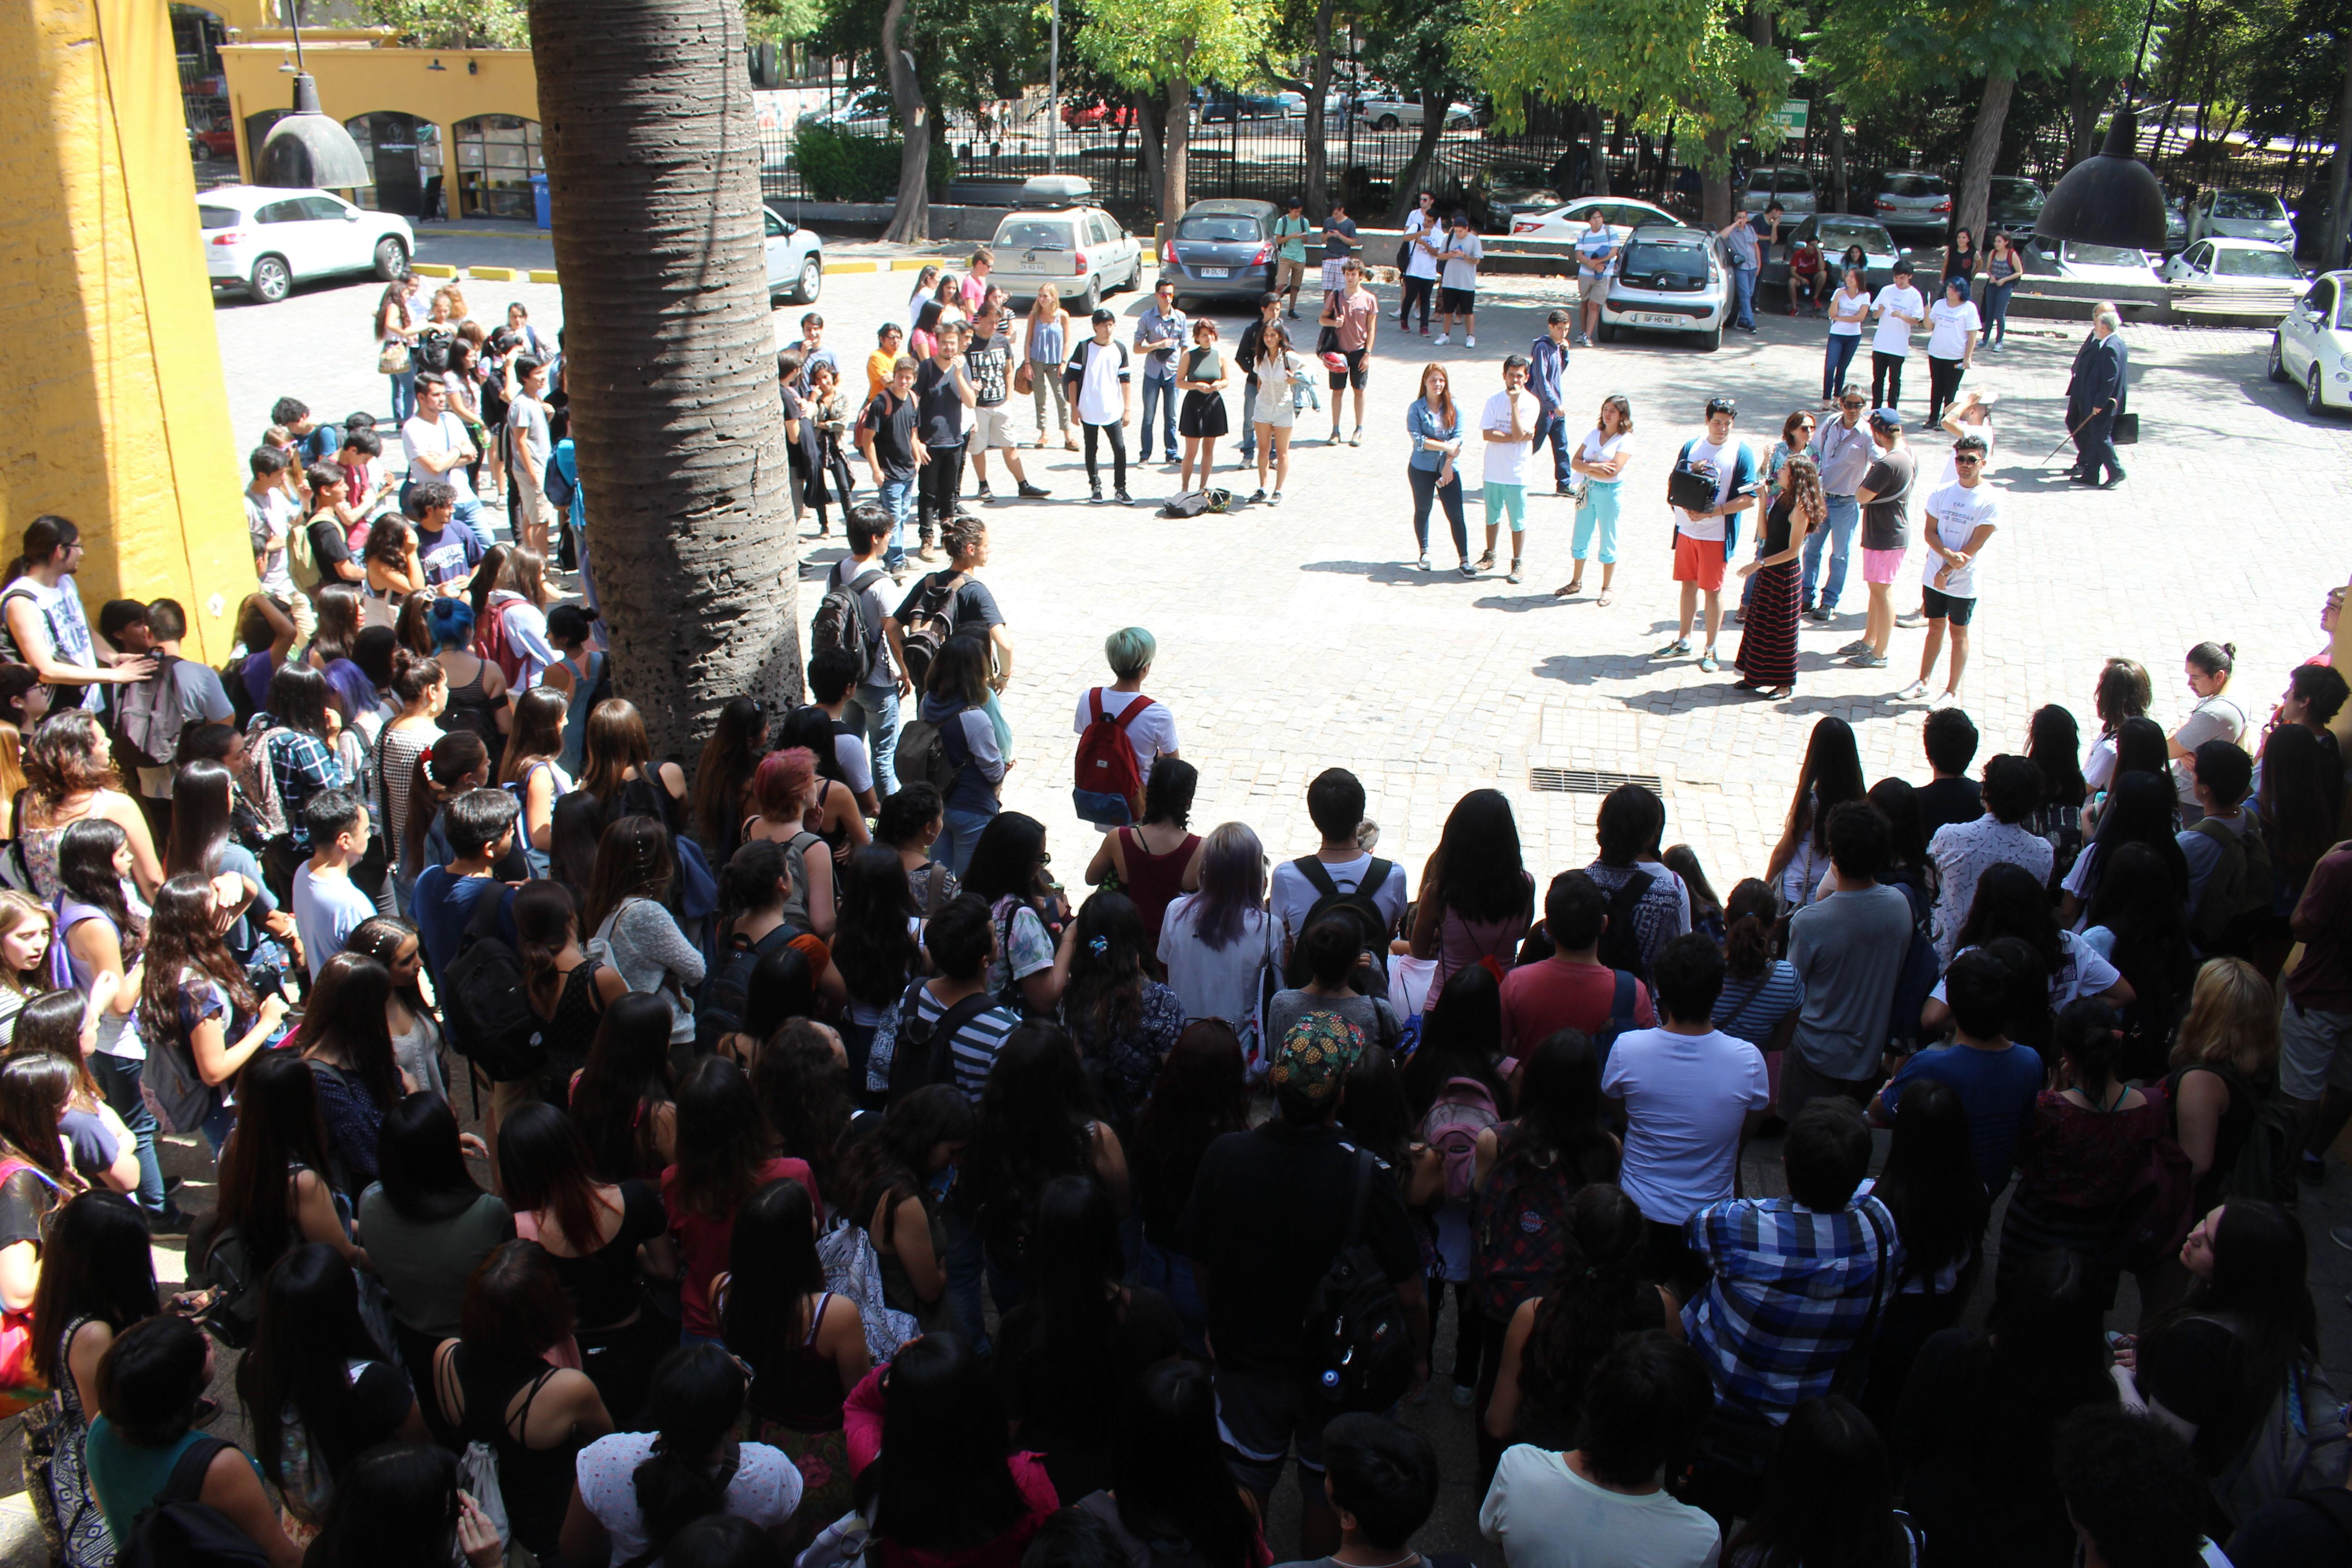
(1790, 1295)
(301, 766)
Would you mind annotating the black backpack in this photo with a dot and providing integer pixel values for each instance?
(228, 1269)
(841, 621)
(490, 1020)
(1621, 943)
(1360, 1348)
(175, 1531)
(718, 1009)
(930, 621)
(925, 1054)
(1358, 901)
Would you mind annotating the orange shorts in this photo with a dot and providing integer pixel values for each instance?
(1698, 561)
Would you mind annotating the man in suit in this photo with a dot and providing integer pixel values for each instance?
(2094, 395)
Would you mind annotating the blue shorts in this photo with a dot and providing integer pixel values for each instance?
(1508, 500)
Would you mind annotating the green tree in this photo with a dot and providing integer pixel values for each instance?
(1412, 46)
(450, 24)
(781, 21)
(1167, 46)
(653, 165)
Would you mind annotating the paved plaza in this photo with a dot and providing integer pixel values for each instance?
(1300, 636)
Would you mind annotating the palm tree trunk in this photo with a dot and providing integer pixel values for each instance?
(1984, 145)
(2331, 247)
(653, 163)
(1715, 200)
(911, 219)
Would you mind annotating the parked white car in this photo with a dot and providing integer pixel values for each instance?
(2263, 276)
(1568, 222)
(795, 261)
(1400, 112)
(1081, 250)
(2313, 344)
(2241, 215)
(265, 239)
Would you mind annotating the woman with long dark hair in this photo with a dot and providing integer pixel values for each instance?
(273, 1169)
(2123, 692)
(625, 1098)
(420, 687)
(802, 1083)
(408, 1018)
(1767, 659)
(2052, 741)
(1160, 859)
(1067, 1354)
(944, 1482)
(781, 988)
(316, 1389)
(1007, 869)
(1978, 1411)
(1907, 840)
(98, 1279)
(874, 946)
(605, 1240)
(1831, 776)
(103, 937)
(896, 1179)
(1931, 1187)
(1477, 899)
(1036, 1121)
(723, 1144)
(300, 748)
(1169, 1486)
(2138, 920)
(636, 1490)
(1555, 1340)
(428, 1226)
(203, 842)
(495, 1384)
(1201, 1094)
(399, 1504)
(532, 769)
(565, 989)
(803, 1346)
(618, 770)
(2298, 801)
(2011, 901)
(69, 777)
(2138, 810)
(633, 927)
(193, 1000)
(1828, 1497)
(346, 1039)
(1124, 1022)
(722, 777)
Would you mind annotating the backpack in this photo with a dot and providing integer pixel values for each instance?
(1198, 503)
(2301, 1443)
(1110, 788)
(1358, 901)
(925, 1052)
(2264, 1167)
(493, 645)
(301, 557)
(1621, 943)
(176, 1530)
(558, 486)
(490, 1021)
(2155, 1216)
(927, 756)
(718, 1007)
(853, 1269)
(1462, 1110)
(1519, 1233)
(841, 621)
(930, 621)
(1916, 979)
(1359, 1349)
(147, 717)
(2237, 893)
(230, 1270)
(1622, 1003)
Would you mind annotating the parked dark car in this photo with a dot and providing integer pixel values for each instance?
(2013, 203)
(1220, 249)
(1221, 106)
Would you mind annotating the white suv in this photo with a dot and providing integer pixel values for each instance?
(264, 239)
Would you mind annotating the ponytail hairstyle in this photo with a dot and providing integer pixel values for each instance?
(546, 923)
(85, 852)
(1594, 1295)
(1747, 938)
(2090, 1037)
(698, 1393)
(2215, 658)
(757, 876)
(537, 735)
(415, 676)
(484, 580)
(46, 537)
(414, 626)
(181, 938)
(440, 774)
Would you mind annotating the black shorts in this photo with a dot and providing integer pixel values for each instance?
(1262, 1417)
(1457, 302)
(1355, 375)
(1939, 605)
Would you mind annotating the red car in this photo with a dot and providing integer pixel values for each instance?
(1097, 115)
(218, 141)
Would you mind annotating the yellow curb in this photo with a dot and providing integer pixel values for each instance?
(491, 274)
(540, 275)
(432, 270)
(915, 263)
(833, 267)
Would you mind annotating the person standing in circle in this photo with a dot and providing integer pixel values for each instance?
(1277, 369)
(1848, 306)
(1547, 370)
(1596, 248)
(1960, 519)
(1953, 326)
(1290, 272)
(1767, 627)
(1200, 377)
(1435, 426)
(2003, 269)
(1049, 337)
(1884, 498)
(1509, 426)
(1898, 309)
(1704, 540)
(1458, 299)
(1599, 461)
(1354, 313)
(1417, 261)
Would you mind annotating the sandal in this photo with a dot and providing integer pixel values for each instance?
(1569, 590)
(1607, 599)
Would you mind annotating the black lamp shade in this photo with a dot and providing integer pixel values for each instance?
(309, 150)
(2109, 198)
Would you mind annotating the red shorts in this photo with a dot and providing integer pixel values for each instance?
(1698, 561)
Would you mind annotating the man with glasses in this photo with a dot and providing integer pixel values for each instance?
(1960, 518)
(1843, 451)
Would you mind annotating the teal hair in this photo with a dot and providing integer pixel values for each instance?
(1130, 651)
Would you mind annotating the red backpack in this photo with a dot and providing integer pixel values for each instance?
(1519, 1233)
(491, 643)
(1109, 790)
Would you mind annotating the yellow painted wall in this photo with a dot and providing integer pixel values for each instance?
(356, 79)
(110, 368)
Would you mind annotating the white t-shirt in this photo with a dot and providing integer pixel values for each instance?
(1418, 262)
(1544, 1515)
(420, 435)
(1100, 399)
(1220, 983)
(856, 763)
(1152, 733)
(1290, 895)
(1955, 512)
(1725, 459)
(1685, 1097)
(1591, 245)
(1949, 326)
(268, 524)
(1846, 311)
(527, 423)
(1507, 461)
(1895, 337)
(765, 1488)
(327, 910)
(1598, 448)
(1461, 252)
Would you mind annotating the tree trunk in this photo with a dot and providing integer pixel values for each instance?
(1175, 197)
(1407, 189)
(1984, 146)
(1318, 87)
(2331, 247)
(1599, 156)
(1828, 111)
(912, 217)
(1147, 143)
(653, 161)
(1714, 181)
(2084, 95)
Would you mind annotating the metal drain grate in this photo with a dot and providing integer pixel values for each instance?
(1588, 781)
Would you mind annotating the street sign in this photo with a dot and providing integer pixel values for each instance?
(1791, 116)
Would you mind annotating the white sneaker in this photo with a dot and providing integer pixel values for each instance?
(1469, 343)
(1441, 339)
(1912, 692)
(1943, 699)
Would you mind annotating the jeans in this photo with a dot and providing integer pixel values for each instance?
(1835, 360)
(118, 1080)
(880, 705)
(219, 1123)
(1554, 429)
(1162, 392)
(1885, 380)
(938, 483)
(1424, 491)
(1170, 1274)
(1743, 295)
(967, 1268)
(404, 399)
(1996, 312)
(959, 832)
(1117, 435)
(1249, 418)
(1844, 512)
(897, 496)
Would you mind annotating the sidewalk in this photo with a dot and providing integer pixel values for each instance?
(493, 243)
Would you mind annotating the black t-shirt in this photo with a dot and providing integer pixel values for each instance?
(1944, 801)
(1068, 1412)
(974, 605)
(1269, 1211)
(988, 365)
(941, 405)
(329, 546)
(1336, 234)
(1885, 521)
(2194, 1368)
(603, 1284)
(2310, 1530)
(892, 420)
(1979, 1475)
(24, 1203)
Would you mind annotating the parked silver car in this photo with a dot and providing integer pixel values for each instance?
(1080, 249)
(1792, 188)
(2240, 215)
(1667, 280)
(1911, 202)
(795, 261)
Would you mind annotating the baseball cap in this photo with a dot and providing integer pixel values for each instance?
(1314, 1056)
(1886, 418)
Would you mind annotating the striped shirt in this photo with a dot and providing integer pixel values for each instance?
(973, 1050)
(1751, 1009)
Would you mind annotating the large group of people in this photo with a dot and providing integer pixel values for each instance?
(704, 1159)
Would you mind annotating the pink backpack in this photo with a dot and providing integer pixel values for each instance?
(1462, 1110)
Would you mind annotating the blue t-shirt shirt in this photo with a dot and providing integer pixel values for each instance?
(1997, 1087)
(442, 908)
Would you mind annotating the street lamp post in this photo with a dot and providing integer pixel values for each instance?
(1054, 92)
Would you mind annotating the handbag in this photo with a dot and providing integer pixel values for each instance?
(392, 359)
(1024, 381)
(2126, 430)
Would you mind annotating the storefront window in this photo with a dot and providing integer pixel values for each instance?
(497, 156)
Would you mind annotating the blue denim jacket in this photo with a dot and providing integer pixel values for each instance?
(1423, 421)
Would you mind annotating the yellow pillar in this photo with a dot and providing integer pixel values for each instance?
(110, 367)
